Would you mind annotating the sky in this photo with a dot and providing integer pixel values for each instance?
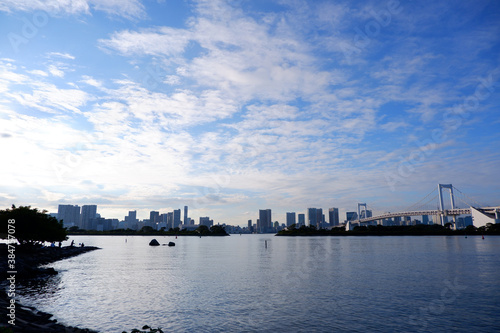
(229, 107)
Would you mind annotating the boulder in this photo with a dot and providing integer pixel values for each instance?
(171, 244)
(154, 242)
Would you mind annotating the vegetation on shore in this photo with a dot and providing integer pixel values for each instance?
(378, 230)
(202, 230)
(30, 227)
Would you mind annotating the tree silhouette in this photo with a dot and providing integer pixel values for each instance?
(31, 226)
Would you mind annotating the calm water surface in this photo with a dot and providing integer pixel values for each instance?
(302, 284)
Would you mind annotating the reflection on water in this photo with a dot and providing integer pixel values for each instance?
(277, 284)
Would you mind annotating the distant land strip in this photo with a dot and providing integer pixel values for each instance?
(379, 230)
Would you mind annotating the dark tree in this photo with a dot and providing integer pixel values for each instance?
(218, 230)
(31, 226)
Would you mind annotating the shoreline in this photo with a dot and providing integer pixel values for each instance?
(27, 262)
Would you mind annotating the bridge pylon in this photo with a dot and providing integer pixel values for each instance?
(441, 205)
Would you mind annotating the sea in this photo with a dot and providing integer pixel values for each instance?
(267, 283)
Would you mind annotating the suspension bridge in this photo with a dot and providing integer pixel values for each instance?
(458, 205)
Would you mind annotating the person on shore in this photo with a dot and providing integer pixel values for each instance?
(72, 243)
(60, 244)
(82, 245)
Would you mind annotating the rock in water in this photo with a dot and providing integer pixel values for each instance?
(154, 242)
(171, 244)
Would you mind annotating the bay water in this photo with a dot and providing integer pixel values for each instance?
(264, 283)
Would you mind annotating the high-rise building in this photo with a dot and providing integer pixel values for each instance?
(265, 220)
(89, 214)
(70, 215)
(311, 217)
(301, 219)
(320, 218)
(250, 225)
(177, 218)
(351, 216)
(206, 221)
(170, 220)
(315, 217)
(131, 220)
(333, 216)
(290, 219)
(186, 219)
(154, 218)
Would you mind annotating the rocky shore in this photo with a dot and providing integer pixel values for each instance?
(27, 266)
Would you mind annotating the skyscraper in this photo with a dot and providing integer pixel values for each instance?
(333, 216)
(314, 216)
(154, 218)
(265, 221)
(70, 215)
(351, 216)
(177, 218)
(186, 220)
(89, 214)
(131, 220)
(302, 219)
(290, 219)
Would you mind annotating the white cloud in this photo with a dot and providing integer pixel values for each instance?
(61, 55)
(159, 41)
(55, 71)
(127, 8)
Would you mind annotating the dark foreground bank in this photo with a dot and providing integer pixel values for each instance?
(26, 264)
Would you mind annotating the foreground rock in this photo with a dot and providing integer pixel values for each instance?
(27, 262)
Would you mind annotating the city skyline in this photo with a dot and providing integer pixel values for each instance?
(232, 107)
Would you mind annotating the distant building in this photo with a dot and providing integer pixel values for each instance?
(186, 219)
(154, 218)
(264, 223)
(351, 216)
(311, 217)
(206, 221)
(89, 214)
(333, 217)
(301, 219)
(69, 214)
(170, 220)
(131, 220)
(177, 218)
(290, 219)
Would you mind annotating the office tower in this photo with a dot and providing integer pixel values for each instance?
(314, 216)
(89, 214)
(302, 219)
(290, 219)
(351, 216)
(154, 218)
(265, 220)
(131, 220)
(69, 214)
(250, 225)
(333, 216)
(319, 217)
(170, 220)
(425, 219)
(365, 214)
(177, 218)
(206, 221)
(186, 220)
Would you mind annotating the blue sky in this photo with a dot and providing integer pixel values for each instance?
(231, 107)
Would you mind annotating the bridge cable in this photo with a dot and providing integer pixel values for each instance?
(478, 205)
(411, 208)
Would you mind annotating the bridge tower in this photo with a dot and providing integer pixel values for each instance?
(359, 210)
(452, 200)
